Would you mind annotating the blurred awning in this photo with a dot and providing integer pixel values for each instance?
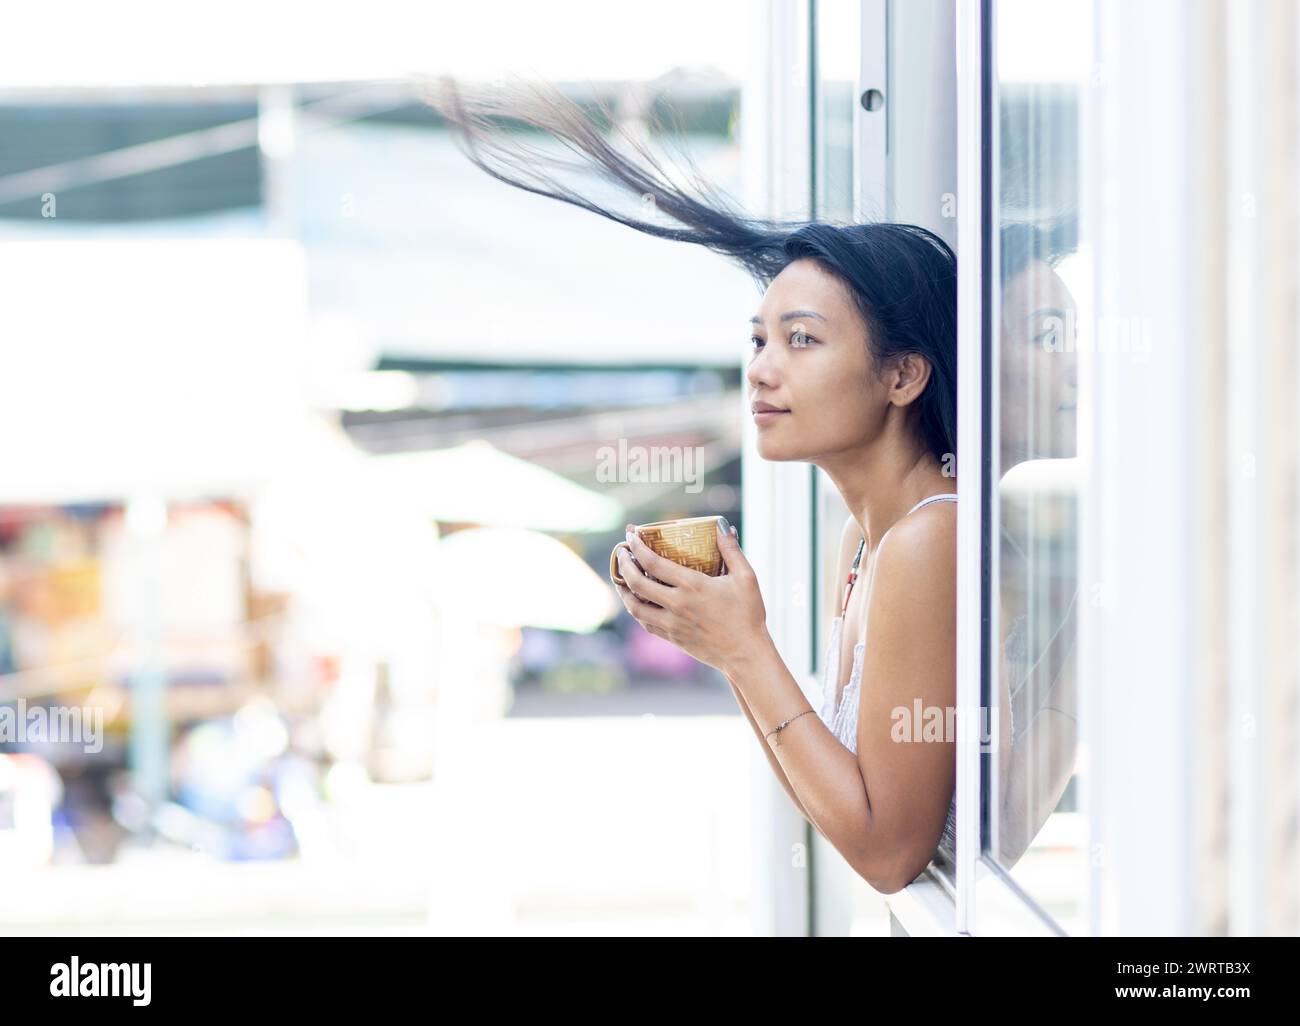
(478, 483)
(357, 555)
(519, 578)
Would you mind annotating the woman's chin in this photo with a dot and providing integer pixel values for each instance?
(775, 453)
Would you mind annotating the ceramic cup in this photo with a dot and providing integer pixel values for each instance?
(691, 542)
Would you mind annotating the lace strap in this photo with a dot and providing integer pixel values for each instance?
(853, 572)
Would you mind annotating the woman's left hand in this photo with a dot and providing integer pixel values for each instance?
(716, 620)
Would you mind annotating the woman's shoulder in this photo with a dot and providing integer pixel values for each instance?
(921, 546)
(934, 520)
(912, 603)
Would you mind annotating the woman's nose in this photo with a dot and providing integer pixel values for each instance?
(1071, 376)
(760, 374)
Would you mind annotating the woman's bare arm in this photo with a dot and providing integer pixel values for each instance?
(911, 649)
(771, 757)
(909, 762)
(850, 536)
(884, 808)
(1042, 761)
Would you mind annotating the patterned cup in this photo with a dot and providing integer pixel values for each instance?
(691, 542)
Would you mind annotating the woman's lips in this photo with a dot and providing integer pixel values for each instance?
(763, 416)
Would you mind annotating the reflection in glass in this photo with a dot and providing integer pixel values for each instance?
(1037, 552)
(1034, 823)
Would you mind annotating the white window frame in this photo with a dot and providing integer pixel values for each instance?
(983, 899)
(1137, 449)
(779, 534)
(786, 508)
(1135, 435)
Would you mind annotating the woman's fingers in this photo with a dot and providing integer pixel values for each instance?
(733, 557)
(644, 613)
(643, 586)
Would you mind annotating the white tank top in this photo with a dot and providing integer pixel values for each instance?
(843, 721)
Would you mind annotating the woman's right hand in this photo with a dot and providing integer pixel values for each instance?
(716, 620)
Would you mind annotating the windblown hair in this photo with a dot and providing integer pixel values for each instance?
(903, 277)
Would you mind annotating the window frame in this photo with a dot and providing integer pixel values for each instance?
(984, 899)
(792, 518)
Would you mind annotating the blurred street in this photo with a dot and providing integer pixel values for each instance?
(612, 825)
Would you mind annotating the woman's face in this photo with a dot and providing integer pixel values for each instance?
(1039, 367)
(809, 357)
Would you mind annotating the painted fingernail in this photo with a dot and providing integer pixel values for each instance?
(723, 525)
(629, 537)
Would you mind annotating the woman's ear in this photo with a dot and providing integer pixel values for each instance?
(910, 375)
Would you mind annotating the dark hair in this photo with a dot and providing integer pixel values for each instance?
(904, 280)
(903, 277)
(1021, 242)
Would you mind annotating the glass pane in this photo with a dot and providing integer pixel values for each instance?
(1036, 831)
(837, 54)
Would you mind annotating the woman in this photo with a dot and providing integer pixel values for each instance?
(1038, 590)
(853, 368)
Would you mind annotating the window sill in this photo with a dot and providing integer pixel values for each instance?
(924, 908)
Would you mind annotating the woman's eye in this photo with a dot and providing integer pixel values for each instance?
(798, 339)
(1053, 330)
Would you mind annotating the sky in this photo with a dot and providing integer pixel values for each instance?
(78, 43)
